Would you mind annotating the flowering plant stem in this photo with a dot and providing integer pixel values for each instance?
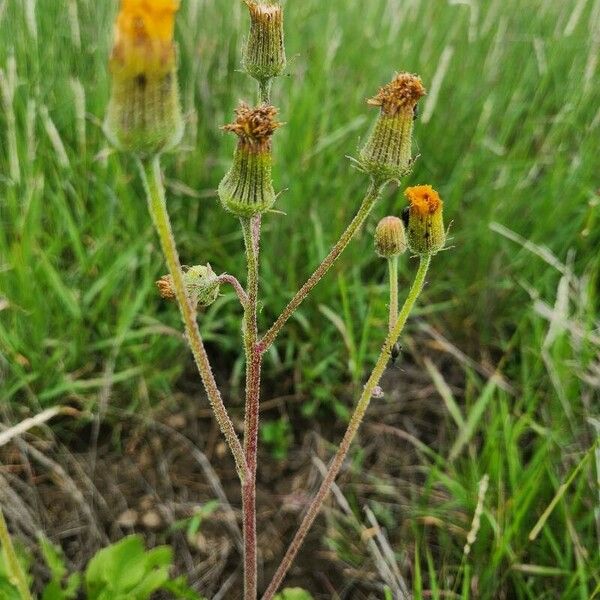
(355, 421)
(153, 183)
(393, 271)
(368, 202)
(251, 230)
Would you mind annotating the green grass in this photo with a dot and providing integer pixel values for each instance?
(511, 138)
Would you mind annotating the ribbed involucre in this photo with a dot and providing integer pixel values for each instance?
(264, 53)
(247, 188)
(144, 114)
(387, 154)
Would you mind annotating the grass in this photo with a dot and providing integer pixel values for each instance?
(508, 134)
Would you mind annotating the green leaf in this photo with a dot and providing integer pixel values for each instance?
(54, 558)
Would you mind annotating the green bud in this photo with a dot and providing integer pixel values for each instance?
(424, 220)
(201, 284)
(390, 238)
(247, 188)
(387, 154)
(264, 54)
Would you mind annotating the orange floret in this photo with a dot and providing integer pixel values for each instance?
(141, 20)
(144, 38)
(424, 200)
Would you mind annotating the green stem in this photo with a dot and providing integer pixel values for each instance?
(13, 566)
(251, 230)
(365, 208)
(355, 421)
(393, 272)
(264, 91)
(152, 177)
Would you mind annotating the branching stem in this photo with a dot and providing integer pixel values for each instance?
(371, 197)
(152, 177)
(355, 421)
(237, 287)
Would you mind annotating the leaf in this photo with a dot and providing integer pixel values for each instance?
(54, 558)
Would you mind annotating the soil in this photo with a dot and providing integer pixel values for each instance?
(147, 474)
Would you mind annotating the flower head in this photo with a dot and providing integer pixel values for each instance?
(255, 126)
(264, 54)
(201, 286)
(144, 37)
(390, 237)
(424, 220)
(247, 188)
(144, 113)
(387, 154)
(424, 200)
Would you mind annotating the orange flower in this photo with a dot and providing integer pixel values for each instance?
(424, 220)
(144, 37)
(424, 200)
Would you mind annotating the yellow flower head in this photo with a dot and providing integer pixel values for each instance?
(144, 37)
(424, 220)
(424, 200)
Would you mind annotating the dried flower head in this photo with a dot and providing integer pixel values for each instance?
(424, 220)
(387, 154)
(255, 125)
(165, 287)
(201, 285)
(404, 91)
(247, 188)
(390, 237)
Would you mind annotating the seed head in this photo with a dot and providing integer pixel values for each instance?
(424, 220)
(387, 154)
(390, 237)
(247, 188)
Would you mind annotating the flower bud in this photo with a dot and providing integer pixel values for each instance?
(390, 238)
(264, 54)
(387, 154)
(247, 189)
(144, 112)
(424, 220)
(201, 285)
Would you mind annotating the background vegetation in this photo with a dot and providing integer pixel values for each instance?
(508, 134)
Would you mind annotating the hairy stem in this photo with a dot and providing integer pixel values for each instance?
(13, 566)
(355, 421)
(237, 287)
(152, 177)
(251, 230)
(393, 272)
(365, 208)
(264, 91)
